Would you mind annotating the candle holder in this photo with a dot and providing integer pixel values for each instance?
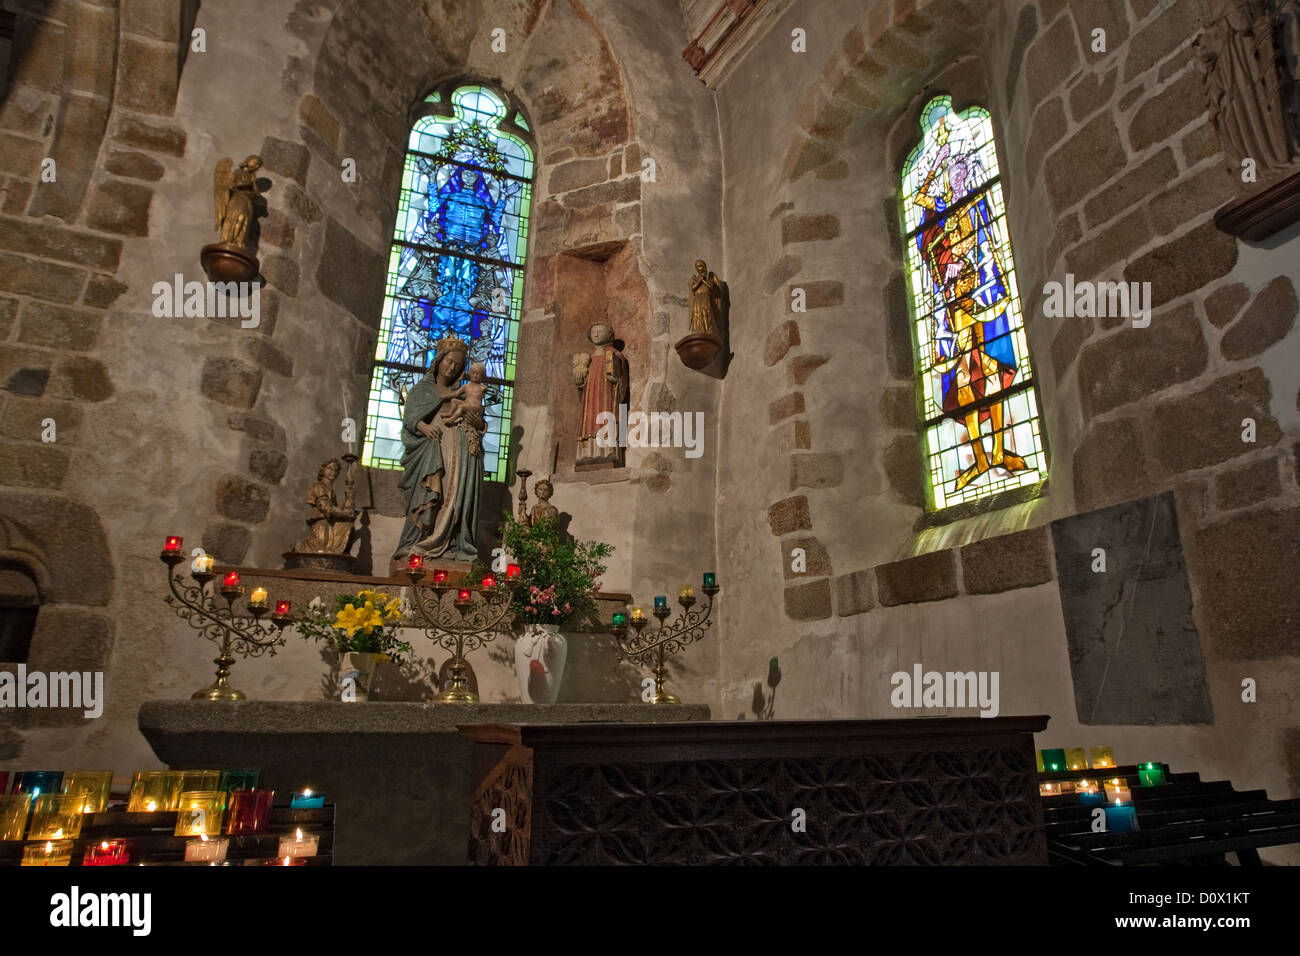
(637, 647)
(466, 625)
(197, 606)
(14, 810)
(92, 786)
(523, 474)
(107, 853)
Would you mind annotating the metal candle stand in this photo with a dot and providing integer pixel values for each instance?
(195, 605)
(639, 648)
(465, 625)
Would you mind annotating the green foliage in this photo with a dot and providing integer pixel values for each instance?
(371, 617)
(558, 575)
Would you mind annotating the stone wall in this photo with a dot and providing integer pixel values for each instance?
(1111, 172)
(201, 427)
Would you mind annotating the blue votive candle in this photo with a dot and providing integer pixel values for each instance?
(1121, 818)
(1092, 798)
(307, 800)
(710, 579)
(37, 782)
(661, 602)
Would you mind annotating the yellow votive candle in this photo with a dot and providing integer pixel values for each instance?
(1102, 756)
(50, 853)
(199, 813)
(55, 816)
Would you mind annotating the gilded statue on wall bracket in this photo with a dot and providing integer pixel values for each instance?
(234, 196)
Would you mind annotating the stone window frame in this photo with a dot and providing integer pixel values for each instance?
(908, 120)
(515, 112)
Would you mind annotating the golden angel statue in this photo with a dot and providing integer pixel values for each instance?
(706, 299)
(233, 193)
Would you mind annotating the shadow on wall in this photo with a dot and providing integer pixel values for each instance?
(764, 706)
(418, 679)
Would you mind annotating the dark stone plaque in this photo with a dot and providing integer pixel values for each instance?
(1135, 653)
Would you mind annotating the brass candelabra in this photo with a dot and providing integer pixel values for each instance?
(197, 606)
(641, 647)
(463, 624)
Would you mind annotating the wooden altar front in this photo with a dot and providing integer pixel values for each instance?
(939, 791)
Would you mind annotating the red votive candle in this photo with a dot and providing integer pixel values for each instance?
(107, 853)
(513, 570)
(281, 608)
(173, 545)
(489, 581)
(440, 577)
(249, 810)
(416, 563)
(462, 595)
(231, 580)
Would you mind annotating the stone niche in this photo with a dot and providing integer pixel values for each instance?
(600, 283)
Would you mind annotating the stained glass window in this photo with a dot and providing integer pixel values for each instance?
(456, 265)
(979, 422)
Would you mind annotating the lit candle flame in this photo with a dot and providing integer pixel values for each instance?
(307, 792)
(286, 862)
(58, 834)
(152, 806)
(298, 835)
(103, 844)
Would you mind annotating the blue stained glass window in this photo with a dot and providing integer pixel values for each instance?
(456, 265)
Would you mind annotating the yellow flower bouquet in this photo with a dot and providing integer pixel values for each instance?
(362, 623)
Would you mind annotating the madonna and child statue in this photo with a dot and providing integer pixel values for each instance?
(442, 465)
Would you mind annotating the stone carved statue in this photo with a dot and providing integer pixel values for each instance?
(1249, 94)
(233, 193)
(543, 509)
(706, 299)
(442, 467)
(602, 379)
(329, 525)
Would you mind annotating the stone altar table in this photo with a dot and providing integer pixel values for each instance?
(934, 791)
(398, 772)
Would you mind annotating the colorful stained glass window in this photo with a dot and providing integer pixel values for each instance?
(456, 265)
(979, 422)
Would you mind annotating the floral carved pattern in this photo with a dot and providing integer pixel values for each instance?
(971, 807)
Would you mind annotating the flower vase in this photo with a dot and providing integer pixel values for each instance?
(540, 653)
(356, 671)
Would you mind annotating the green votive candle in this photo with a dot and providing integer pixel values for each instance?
(1054, 760)
(620, 619)
(710, 579)
(1151, 775)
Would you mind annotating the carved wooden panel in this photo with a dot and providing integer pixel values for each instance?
(936, 808)
(798, 792)
(507, 787)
